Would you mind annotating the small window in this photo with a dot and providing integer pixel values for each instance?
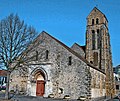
(93, 39)
(117, 87)
(47, 52)
(36, 55)
(91, 62)
(97, 21)
(93, 32)
(98, 31)
(70, 60)
(98, 39)
(92, 21)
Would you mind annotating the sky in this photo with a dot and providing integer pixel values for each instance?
(66, 19)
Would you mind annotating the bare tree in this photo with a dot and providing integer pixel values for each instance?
(15, 36)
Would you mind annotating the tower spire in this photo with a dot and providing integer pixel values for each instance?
(98, 48)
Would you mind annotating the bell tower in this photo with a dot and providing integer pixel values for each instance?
(97, 39)
(98, 48)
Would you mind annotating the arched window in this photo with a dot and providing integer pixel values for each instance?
(98, 31)
(47, 52)
(93, 39)
(98, 38)
(97, 21)
(70, 60)
(36, 55)
(92, 21)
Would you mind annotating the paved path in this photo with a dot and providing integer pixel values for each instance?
(33, 98)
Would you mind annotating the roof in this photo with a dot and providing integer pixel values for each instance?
(82, 47)
(3, 73)
(69, 49)
(73, 52)
(95, 8)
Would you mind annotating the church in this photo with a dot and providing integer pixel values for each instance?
(52, 69)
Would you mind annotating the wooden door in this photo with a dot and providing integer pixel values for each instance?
(40, 88)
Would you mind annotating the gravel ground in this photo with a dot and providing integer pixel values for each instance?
(32, 98)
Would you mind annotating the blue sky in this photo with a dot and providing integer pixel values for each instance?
(66, 19)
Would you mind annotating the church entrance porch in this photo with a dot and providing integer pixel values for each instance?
(38, 80)
(40, 86)
(40, 83)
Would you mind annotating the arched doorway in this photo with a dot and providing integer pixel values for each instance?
(40, 83)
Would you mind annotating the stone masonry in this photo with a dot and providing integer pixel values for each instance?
(98, 48)
(61, 77)
(52, 69)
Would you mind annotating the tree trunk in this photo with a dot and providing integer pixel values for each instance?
(7, 85)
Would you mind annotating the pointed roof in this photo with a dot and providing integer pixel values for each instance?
(96, 9)
(66, 47)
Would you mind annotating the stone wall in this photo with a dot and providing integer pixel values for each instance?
(78, 49)
(63, 78)
(97, 83)
(98, 48)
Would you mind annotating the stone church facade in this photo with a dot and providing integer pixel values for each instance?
(51, 68)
